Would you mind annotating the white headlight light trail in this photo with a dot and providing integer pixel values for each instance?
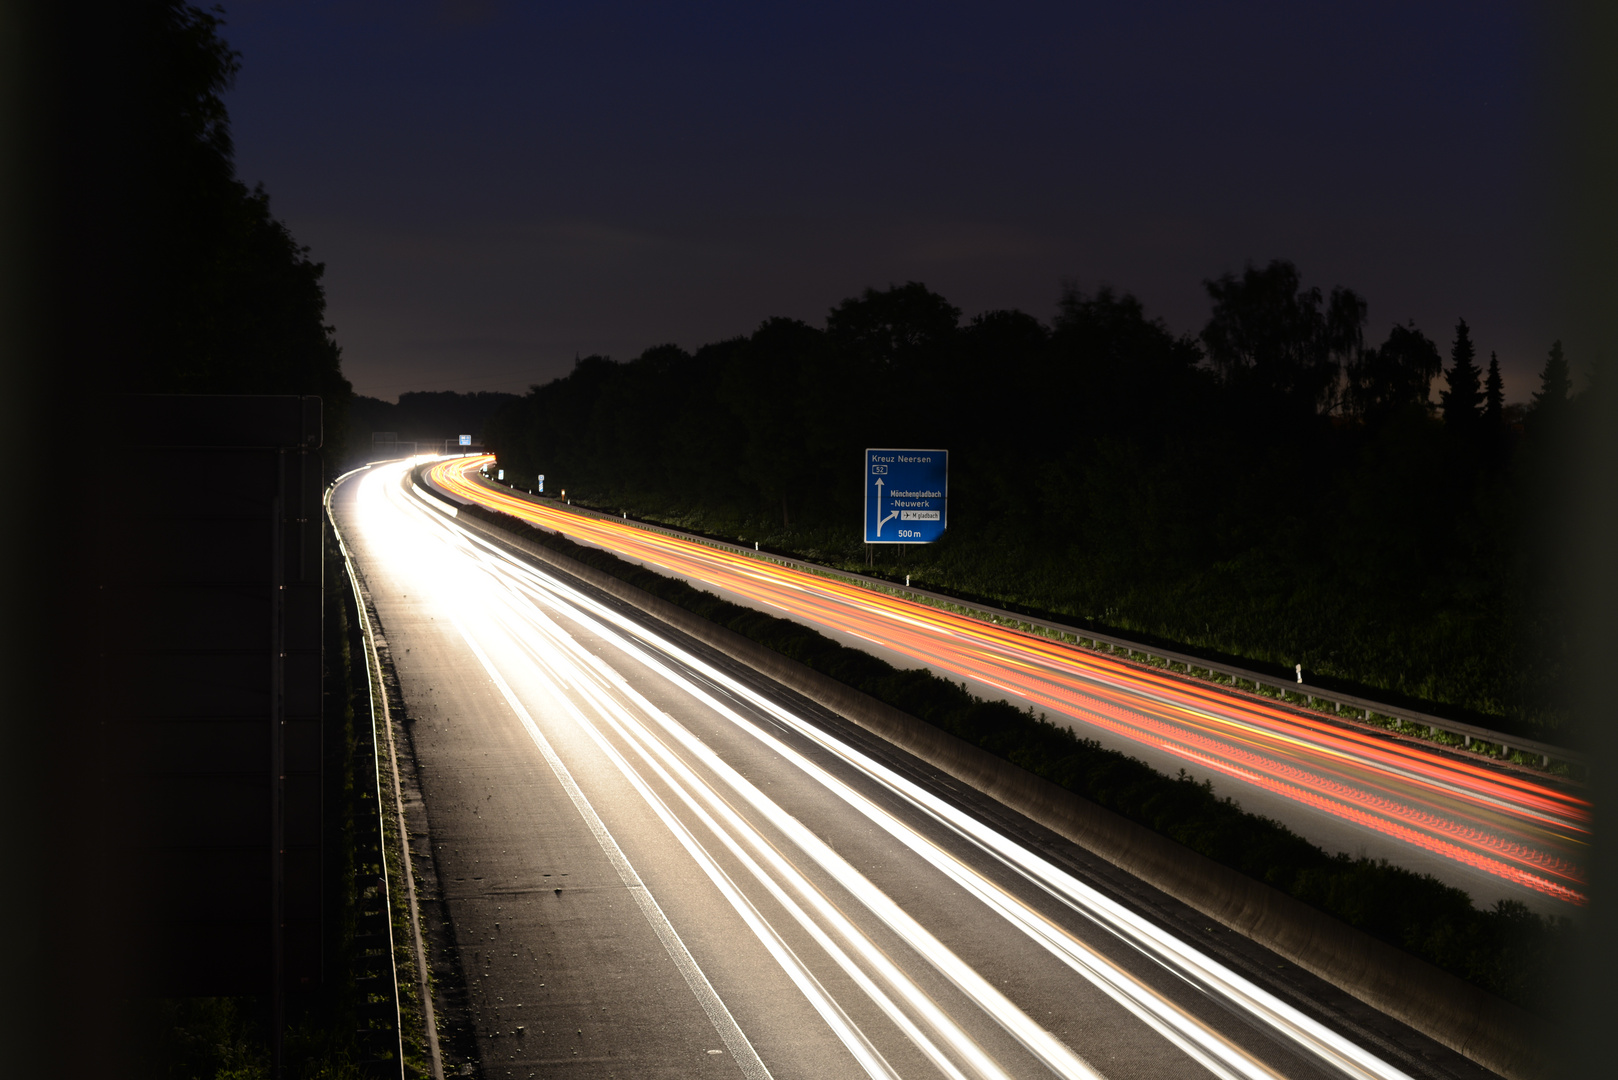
(556, 653)
(1158, 1013)
(868, 1057)
(546, 655)
(522, 590)
(1046, 1047)
(457, 592)
(1217, 979)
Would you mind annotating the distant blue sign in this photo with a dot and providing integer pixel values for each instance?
(466, 440)
(542, 483)
(905, 496)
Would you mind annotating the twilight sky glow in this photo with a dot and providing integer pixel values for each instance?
(497, 186)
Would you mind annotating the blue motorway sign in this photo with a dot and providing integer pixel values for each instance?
(905, 496)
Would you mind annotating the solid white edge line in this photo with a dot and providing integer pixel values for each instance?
(854, 1040)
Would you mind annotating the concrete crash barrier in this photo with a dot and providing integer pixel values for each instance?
(1486, 1029)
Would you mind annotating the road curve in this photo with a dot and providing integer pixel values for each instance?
(1493, 831)
(657, 864)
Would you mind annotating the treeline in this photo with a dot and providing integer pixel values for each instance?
(222, 299)
(1278, 488)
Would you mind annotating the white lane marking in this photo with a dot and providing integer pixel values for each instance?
(1163, 1016)
(1040, 1042)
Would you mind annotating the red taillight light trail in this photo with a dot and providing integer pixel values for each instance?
(1509, 825)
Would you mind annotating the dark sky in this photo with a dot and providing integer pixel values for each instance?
(496, 187)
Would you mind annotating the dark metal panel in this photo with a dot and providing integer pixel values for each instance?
(303, 747)
(193, 684)
(221, 809)
(266, 421)
(208, 642)
(167, 617)
(209, 744)
(302, 682)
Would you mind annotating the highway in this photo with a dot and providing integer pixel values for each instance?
(656, 863)
(1496, 832)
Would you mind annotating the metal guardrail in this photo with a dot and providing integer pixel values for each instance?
(382, 739)
(1429, 724)
(382, 922)
(380, 1026)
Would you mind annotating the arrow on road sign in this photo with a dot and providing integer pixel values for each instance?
(880, 520)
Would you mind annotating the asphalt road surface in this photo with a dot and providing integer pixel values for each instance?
(1497, 832)
(656, 863)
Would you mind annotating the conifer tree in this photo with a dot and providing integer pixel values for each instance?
(1465, 394)
(1555, 384)
(1494, 396)
(1549, 406)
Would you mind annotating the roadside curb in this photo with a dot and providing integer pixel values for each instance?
(1484, 1028)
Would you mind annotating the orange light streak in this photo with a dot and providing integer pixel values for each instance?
(1509, 825)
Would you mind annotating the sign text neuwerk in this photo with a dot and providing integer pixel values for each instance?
(905, 496)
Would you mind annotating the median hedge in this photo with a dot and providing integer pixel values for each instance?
(1506, 949)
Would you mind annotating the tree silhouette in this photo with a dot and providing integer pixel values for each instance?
(230, 301)
(894, 327)
(1268, 335)
(769, 385)
(1398, 375)
(1555, 383)
(1494, 399)
(1462, 400)
(1549, 404)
